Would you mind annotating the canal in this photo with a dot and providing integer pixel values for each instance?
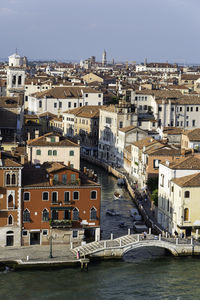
(142, 274)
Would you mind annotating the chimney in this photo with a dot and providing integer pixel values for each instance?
(22, 159)
(36, 134)
(69, 163)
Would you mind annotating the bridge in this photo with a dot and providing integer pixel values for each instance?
(116, 248)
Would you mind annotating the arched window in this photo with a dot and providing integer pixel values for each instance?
(187, 194)
(45, 215)
(10, 201)
(49, 152)
(75, 214)
(13, 179)
(93, 214)
(71, 153)
(54, 215)
(26, 215)
(10, 220)
(54, 152)
(186, 214)
(8, 179)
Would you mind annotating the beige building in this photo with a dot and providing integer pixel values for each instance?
(190, 139)
(53, 147)
(91, 77)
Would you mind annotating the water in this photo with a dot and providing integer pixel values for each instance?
(142, 274)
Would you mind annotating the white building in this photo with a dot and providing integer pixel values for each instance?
(60, 99)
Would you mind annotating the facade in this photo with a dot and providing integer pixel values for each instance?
(167, 173)
(52, 147)
(60, 99)
(157, 67)
(61, 202)
(190, 139)
(111, 119)
(10, 195)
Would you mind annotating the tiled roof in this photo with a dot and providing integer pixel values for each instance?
(145, 142)
(193, 135)
(189, 163)
(188, 181)
(128, 128)
(42, 141)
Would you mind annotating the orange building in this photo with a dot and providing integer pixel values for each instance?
(59, 201)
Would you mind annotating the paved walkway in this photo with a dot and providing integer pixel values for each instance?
(37, 253)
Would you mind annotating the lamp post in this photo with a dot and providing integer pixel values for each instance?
(51, 238)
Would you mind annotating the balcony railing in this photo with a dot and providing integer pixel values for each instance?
(61, 223)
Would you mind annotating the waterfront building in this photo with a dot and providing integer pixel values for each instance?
(52, 147)
(168, 210)
(59, 201)
(10, 204)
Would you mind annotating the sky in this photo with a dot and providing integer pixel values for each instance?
(129, 30)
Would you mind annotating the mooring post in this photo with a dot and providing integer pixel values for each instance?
(120, 242)
(192, 241)
(138, 237)
(159, 237)
(149, 230)
(129, 231)
(166, 234)
(176, 241)
(104, 244)
(111, 236)
(71, 245)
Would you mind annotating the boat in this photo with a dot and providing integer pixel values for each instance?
(139, 227)
(135, 214)
(117, 196)
(112, 212)
(122, 225)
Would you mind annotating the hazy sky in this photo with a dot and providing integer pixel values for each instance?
(132, 30)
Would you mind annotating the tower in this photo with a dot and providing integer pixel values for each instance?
(15, 74)
(104, 60)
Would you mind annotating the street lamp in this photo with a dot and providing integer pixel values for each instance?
(51, 238)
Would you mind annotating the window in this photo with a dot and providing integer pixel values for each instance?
(156, 163)
(188, 108)
(186, 214)
(75, 233)
(162, 180)
(159, 108)
(64, 178)
(69, 104)
(99, 95)
(93, 195)
(10, 201)
(10, 220)
(86, 95)
(55, 177)
(8, 179)
(120, 124)
(67, 215)
(55, 105)
(45, 196)
(76, 195)
(40, 104)
(193, 123)
(45, 215)
(49, 152)
(66, 197)
(53, 139)
(180, 108)
(26, 196)
(54, 197)
(73, 177)
(74, 104)
(38, 152)
(108, 120)
(24, 232)
(93, 214)
(187, 123)
(44, 232)
(71, 153)
(13, 179)
(75, 214)
(191, 108)
(197, 109)
(60, 104)
(187, 194)
(86, 103)
(54, 215)
(54, 152)
(26, 215)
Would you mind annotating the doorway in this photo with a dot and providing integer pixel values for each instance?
(9, 240)
(35, 238)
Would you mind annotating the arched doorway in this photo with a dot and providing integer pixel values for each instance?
(9, 238)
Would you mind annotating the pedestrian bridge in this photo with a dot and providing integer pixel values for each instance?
(116, 248)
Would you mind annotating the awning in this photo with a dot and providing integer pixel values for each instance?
(61, 208)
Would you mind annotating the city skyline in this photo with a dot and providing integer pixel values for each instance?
(129, 31)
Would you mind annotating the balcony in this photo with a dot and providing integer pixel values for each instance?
(60, 223)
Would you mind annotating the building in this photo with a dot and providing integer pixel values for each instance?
(10, 205)
(190, 139)
(59, 201)
(104, 58)
(52, 147)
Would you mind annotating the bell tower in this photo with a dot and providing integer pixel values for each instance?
(104, 59)
(16, 74)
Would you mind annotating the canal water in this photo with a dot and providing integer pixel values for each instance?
(142, 274)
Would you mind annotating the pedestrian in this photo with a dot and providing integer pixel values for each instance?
(78, 254)
(145, 234)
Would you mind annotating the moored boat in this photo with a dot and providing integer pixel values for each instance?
(117, 196)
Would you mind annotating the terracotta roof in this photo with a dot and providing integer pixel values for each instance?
(145, 142)
(188, 163)
(193, 135)
(110, 108)
(173, 130)
(128, 128)
(88, 111)
(42, 141)
(188, 181)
